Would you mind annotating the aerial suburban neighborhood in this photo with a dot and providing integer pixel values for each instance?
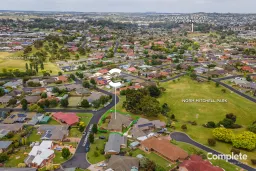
(117, 91)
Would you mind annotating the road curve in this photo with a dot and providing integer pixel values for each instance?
(180, 136)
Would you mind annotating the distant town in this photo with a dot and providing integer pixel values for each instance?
(127, 91)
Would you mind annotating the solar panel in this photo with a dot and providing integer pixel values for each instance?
(12, 116)
(21, 115)
(143, 125)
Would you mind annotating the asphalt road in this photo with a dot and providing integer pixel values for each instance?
(79, 158)
(231, 88)
(179, 136)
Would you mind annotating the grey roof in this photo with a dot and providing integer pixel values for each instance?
(114, 143)
(123, 163)
(118, 122)
(5, 99)
(5, 144)
(11, 127)
(53, 132)
(32, 99)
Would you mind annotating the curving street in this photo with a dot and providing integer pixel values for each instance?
(179, 136)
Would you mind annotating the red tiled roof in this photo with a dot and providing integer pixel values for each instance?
(62, 78)
(68, 118)
(196, 163)
(165, 148)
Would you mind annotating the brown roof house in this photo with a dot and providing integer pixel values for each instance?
(5, 99)
(118, 121)
(164, 148)
(32, 99)
(123, 163)
(144, 127)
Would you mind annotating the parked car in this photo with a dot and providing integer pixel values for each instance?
(102, 137)
(87, 149)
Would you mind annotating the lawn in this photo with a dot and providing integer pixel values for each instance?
(84, 117)
(154, 157)
(53, 122)
(100, 144)
(34, 136)
(58, 159)
(8, 61)
(17, 157)
(186, 88)
(74, 101)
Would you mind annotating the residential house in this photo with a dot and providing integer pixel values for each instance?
(118, 122)
(123, 163)
(5, 99)
(53, 132)
(62, 78)
(196, 163)
(12, 127)
(4, 145)
(67, 118)
(32, 99)
(164, 148)
(40, 155)
(115, 143)
(143, 128)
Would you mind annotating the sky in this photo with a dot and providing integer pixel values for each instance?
(167, 6)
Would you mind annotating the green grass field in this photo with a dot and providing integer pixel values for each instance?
(186, 88)
(6, 61)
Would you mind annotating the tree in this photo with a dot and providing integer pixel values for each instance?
(81, 126)
(64, 102)
(95, 128)
(223, 134)
(92, 81)
(12, 102)
(42, 66)
(150, 106)
(2, 92)
(245, 140)
(85, 104)
(211, 124)
(65, 153)
(154, 91)
(184, 127)
(43, 95)
(3, 157)
(91, 138)
(35, 108)
(96, 154)
(59, 73)
(227, 123)
(211, 142)
(252, 128)
(26, 66)
(217, 84)
(147, 164)
(231, 116)
(24, 104)
(165, 109)
(86, 84)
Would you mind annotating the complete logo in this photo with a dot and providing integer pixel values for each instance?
(226, 157)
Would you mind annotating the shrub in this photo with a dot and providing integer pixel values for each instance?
(96, 154)
(223, 134)
(210, 124)
(184, 127)
(253, 161)
(245, 140)
(252, 128)
(65, 153)
(211, 142)
(235, 151)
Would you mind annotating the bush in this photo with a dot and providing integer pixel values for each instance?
(235, 151)
(65, 153)
(184, 127)
(252, 128)
(245, 140)
(223, 134)
(210, 124)
(211, 142)
(253, 161)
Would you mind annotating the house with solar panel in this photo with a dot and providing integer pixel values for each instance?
(53, 132)
(145, 128)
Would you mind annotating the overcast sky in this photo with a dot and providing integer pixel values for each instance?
(170, 6)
